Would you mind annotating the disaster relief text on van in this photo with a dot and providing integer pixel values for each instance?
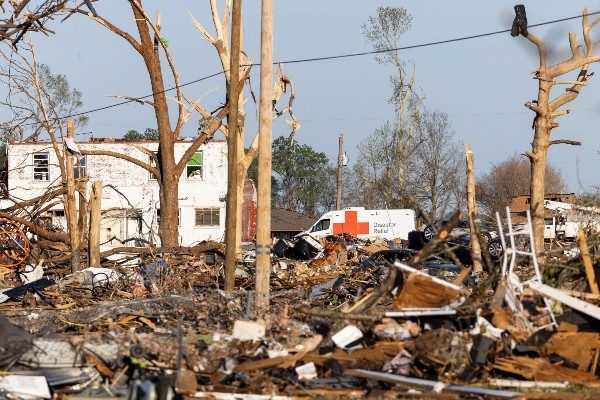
(365, 224)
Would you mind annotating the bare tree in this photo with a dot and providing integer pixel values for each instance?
(383, 32)
(436, 168)
(244, 156)
(375, 174)
(380, 173)
(152, 48)
(35, 100)
(33, 113)
(17, 17)
(511, 178)
(548, 109)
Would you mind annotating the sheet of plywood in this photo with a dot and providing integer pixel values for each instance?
(420, 291)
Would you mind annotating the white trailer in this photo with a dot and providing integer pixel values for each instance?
(568, 219)
(365, 224)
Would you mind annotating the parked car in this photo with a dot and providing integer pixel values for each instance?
(462, 228)
(461, 246)
(433, 263)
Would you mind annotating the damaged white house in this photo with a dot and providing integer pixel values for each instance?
(130, 194)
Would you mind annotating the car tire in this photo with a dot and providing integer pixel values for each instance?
(487, 238)
(428, 234)
(495, 249)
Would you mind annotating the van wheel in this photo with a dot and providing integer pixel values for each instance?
(428, 234)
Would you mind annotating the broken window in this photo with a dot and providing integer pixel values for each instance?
(207, 216)
(80, 167)
(193, 168)
(41, 169)
(152, 162)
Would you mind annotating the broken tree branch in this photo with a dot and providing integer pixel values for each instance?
(565, 141)
(37, 230)
(139, 163)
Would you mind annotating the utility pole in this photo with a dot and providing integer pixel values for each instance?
(338, 197)
(233, 145)
(263, 226)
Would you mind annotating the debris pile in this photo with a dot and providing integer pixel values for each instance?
(349, 318)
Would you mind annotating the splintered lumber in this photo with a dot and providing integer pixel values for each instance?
(425, 291)
(381, 351)
(400, 379)
(539, 369)
(389, 283)
(261, 364)
(329, 393)
(460, 278)
(582, 354)
(317, 312)
(587, 262)
(237, 396)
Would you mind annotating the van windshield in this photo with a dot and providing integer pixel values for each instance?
(322, 225)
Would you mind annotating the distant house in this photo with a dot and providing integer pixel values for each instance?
(130, 197)
(520, 204)
(287, 223)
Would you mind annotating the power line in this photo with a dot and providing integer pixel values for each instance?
(415, 46)
(324, 58)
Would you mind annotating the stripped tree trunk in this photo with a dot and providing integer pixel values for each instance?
(547, 110)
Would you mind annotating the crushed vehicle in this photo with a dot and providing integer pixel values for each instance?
(461, 239)
(433, 264)
(461, 247)
(392, 255)
(488, 231)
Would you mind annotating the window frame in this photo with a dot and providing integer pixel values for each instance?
(215, 212)
(199, 164)
(41, 165)
(319, 224)
(80, 167)
(152, 163)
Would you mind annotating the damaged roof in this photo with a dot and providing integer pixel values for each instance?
(284, 220)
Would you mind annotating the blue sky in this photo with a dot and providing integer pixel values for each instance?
(481, 84)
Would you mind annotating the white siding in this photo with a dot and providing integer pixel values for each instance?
(137, 189)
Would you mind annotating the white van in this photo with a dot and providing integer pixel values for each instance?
(557, 227)
(365, 224)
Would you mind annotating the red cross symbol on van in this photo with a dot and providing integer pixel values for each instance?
(351, 225)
